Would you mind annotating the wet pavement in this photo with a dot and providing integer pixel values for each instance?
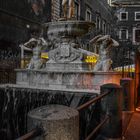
(126, 118)
(133, 129)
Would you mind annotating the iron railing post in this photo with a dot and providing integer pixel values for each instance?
(112, 105)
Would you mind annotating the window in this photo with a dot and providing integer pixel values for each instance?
(88, 15)
(137, 16)
(98, 22)
(104, 27)
(123, 35)
(136, 36)
(123, 16)
(77, 9)
(108, 29)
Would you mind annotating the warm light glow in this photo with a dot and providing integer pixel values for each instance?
(88, 59)
(91, 59)
(44, 55)
(128, 68)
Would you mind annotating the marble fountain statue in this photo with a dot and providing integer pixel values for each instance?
(65, 69)
(105, 43)
(64, 79)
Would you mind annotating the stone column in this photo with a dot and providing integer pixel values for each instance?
(128, 93)
(22, 57)
(112, 105)
(59, 122)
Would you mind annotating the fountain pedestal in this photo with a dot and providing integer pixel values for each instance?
(65, 68)
(66, 55)
(72, 80)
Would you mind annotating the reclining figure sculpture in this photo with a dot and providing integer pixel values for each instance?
(105, 43)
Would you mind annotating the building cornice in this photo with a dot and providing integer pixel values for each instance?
(131, 3)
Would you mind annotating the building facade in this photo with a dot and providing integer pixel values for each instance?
(99, 12)
(31, 11)
(128, 27)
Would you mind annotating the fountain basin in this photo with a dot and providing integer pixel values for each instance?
(68, 28)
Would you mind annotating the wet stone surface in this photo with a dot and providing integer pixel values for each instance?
(59, 122)
(16, 102)
(53, 112)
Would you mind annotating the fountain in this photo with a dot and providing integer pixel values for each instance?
(61, 80)
(65, 69)
(66, 56)
(64, 79)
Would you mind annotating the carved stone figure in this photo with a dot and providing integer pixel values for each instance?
(65, 53)
(68, 8)
(36, 62)
(104, 43)
(36, 45)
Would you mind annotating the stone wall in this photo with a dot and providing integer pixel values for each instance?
(86, 80)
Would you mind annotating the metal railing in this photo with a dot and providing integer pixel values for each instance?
(90, 102)
(32, 134)
(39, 131)
(97, 128)
(87, 104)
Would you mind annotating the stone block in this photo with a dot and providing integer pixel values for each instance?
(59, 122)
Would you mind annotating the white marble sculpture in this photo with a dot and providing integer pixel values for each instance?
(68, 8)
(105, 43)
(36, 45)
